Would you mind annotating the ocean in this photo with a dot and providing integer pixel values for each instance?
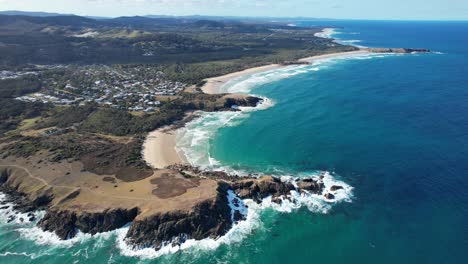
(392, 128)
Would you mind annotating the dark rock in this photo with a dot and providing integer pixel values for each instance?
(245, 101)
(11, 218)
(277, 200)
(5, 207)
(258, 189)
(329, 196)
(238, 216)
(65, 223)
(4, 176)
(310, 185)
(335, 188)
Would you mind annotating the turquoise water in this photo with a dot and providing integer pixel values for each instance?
(394, 127)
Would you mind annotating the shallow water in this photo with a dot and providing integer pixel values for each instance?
(394, 127)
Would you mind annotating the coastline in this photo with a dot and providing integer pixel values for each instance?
(213, 85)
(159, 149)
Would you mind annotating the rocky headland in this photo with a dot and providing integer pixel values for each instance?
(171, 206)
(396, 50)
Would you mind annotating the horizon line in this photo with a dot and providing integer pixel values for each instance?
(237, 16)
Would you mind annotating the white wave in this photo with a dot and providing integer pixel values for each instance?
(236, 204)
(41, 237)
(194, 139)
(236, 234)
(25, 254)
(327, 33)
(10, 216)
(317, 203)
(245, 84)
(330, 33)
(351, 41)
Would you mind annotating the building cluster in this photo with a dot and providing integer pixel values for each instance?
(134, 89)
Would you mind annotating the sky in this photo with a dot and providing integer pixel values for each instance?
(341, 9)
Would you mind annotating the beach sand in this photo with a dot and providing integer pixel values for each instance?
(213, 84)
(159, 149)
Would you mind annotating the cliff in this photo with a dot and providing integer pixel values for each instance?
(210, 218)
(66, 223)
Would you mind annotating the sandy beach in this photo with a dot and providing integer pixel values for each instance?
(214, 84)
(159, 149)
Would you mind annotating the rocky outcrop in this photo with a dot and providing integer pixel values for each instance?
(258, 189)
(66, 223)
(210, 218)
(336, 188)
(233, 101)
(397, 50)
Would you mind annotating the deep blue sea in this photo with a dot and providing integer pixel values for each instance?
(392, 127)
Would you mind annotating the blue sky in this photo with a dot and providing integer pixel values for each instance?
(356, 9)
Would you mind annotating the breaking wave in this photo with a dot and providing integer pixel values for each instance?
(330, 33)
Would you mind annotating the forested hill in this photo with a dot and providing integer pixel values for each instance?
(73, 39)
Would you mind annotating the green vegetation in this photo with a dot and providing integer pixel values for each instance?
(68, 116)
(154, 41)
(20, 86)
(12, 111)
